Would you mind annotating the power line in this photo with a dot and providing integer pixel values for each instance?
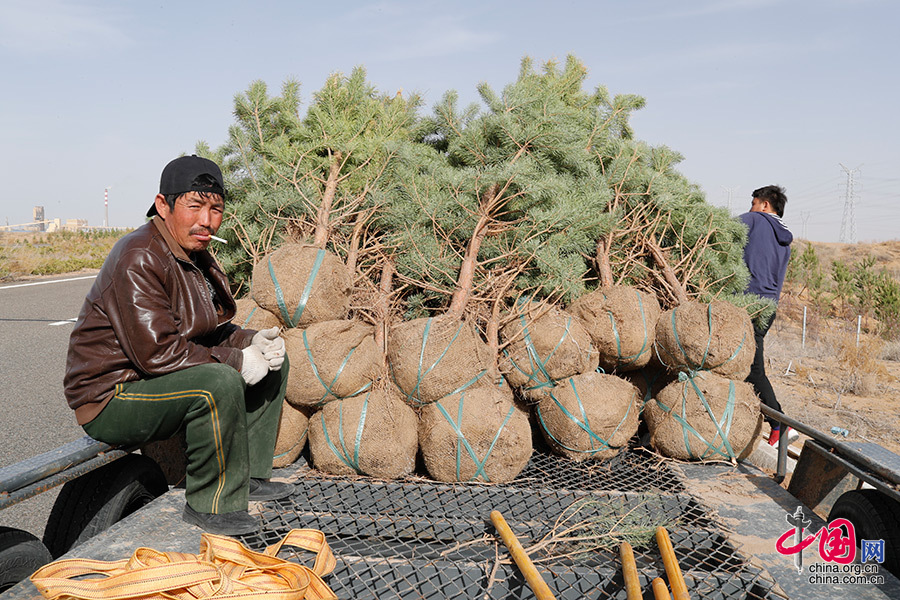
(882, 188)
(812, 188)
(887, 179)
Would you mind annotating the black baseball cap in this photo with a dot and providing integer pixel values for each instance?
(179, 175)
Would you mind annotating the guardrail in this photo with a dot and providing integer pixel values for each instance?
(45, 471)
(880, 474)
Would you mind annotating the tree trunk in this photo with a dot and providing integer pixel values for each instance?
(470, 260)
(353, 252)
(324, 213)
(602, 260)
(467, 270)
(492, 333)
(383, 310)
(675, 286)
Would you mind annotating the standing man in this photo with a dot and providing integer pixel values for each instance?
(767, 253)
(154, 351)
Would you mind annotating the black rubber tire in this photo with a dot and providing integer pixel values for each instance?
(21, 554)
(875, 517)
(90, 504)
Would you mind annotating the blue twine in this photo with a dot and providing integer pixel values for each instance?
(582, 424)
(463, 443)
(343, 454)
(304, 298)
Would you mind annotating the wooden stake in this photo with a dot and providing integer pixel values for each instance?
(629, 572)
(534, 579)
(660, 591)
(673, 571)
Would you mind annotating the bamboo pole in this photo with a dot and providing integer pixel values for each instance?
(534, 579)
(673, 571)
(629, 572)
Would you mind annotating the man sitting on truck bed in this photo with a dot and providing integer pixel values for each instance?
(154, 351)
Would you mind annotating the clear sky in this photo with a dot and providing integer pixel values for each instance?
(102, 93)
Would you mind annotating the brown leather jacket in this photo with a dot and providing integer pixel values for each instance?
(149, 313)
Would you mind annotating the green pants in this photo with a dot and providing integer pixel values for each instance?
(230, 428)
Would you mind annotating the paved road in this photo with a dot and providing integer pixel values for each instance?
(36, 318)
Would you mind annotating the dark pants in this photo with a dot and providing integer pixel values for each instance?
(757, 375)
(230, 428)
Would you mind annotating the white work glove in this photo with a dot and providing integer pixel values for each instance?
(255, 365)
(267, 339)
(271, 346)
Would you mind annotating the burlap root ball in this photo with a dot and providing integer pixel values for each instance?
(589, 416)
(621, 321)
(302, 285)
(681, 426)
(251, 315)
(479, 434)
(714, 337)
(649, 381)
(292, 434)
(544, 343)
(374, 434)
(432, 357)
(330, 360)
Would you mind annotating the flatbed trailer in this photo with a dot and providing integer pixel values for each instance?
(417, 538)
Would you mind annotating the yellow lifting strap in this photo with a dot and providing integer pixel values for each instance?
(224, 569)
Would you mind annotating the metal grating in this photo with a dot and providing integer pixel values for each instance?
(417, 538)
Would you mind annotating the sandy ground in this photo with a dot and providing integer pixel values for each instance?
(827, 380)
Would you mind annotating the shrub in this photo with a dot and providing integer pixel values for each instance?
(860, 364)
(890, 351)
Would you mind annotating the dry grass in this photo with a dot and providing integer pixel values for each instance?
(26, 254)
(836, 362)
(860, 364)
(830, 381)
(891, 351)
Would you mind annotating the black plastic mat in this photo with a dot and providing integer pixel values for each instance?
(417, 538)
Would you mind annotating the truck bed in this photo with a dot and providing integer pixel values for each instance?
(416, 538)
